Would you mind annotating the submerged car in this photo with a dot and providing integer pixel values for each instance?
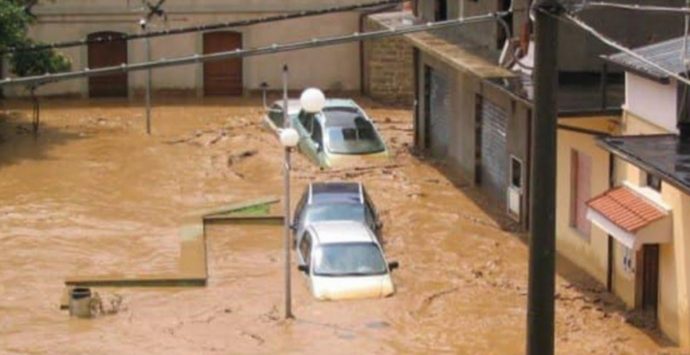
(344, 260)
(340, 134)
(336, 201)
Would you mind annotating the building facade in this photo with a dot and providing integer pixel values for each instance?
(632, 233)
(332, 68)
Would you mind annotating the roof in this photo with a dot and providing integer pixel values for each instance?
(664, 155)
(294, 105)
(626, 209)
(335, 192)
(667, 54)
(342, 232)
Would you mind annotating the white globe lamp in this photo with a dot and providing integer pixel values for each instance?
(289, 137)
(312, 100)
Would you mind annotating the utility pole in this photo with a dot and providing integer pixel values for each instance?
(143, 23)
(542, 241)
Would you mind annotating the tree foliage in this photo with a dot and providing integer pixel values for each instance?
(14, 24)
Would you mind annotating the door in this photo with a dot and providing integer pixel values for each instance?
(494, 157)
(222, 77)
(439, 114)
(650, 277)
(307, 127)
(107, 54)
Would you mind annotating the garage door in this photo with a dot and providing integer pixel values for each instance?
(105, 55)
(222, 77)
(494, 158)
(439, 112)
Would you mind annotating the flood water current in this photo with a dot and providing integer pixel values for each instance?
(93, 195)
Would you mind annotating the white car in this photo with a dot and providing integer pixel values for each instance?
(344, 260)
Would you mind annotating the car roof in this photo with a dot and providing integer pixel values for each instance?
(329, 232)
(336, 102)
(335, 192)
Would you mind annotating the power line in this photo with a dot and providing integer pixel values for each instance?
(239, 53)
(651, 8)
(612, 43)
(201, 28)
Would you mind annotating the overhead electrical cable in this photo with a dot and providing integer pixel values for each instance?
(200, 28)
(652, 8)
(239, 53)
(612, 43)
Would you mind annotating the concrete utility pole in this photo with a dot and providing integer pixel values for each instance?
(542, 242)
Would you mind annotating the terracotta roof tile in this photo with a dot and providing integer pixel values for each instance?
(626, 209)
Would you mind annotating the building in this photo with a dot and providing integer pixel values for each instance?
(635, 228)
(335, 68)
(474, 105)
(475, 115)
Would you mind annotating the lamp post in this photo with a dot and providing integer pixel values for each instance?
(312, 100)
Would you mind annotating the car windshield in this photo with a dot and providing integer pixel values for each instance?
(335, 212)
(348, 259)
(350, 133)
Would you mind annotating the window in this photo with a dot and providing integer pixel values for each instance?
(317, 134)
(654, 182)
(441, 10)
(275, 114)
(516, 172)
(580, 182)
(307, 120)
(305, 248)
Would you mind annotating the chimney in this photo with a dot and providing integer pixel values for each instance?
(684, 129)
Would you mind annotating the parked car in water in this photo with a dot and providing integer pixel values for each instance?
(336, 201)
(338, 135)
(344, 260)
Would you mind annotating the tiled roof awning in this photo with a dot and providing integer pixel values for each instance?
(630, 217)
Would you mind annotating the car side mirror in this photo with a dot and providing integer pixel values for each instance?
(393, 265)
(303, 268)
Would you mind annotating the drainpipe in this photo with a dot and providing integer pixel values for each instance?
(609, 256)
(684, 128)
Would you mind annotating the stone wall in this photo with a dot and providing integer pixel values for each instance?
(387, 67)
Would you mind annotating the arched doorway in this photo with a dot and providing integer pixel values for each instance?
(222, 77)
(107, 54)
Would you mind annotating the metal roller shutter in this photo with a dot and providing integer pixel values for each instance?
(494, 157)
(440, 114)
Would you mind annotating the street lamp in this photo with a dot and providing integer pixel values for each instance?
(312, 100)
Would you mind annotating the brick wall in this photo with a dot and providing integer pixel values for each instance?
(388, 68)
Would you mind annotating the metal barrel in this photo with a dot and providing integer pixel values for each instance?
(80, 302)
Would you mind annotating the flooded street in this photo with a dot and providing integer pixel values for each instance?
(93, 194)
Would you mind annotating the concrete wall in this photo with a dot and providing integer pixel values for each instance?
(674, 258)
(461, 154)
(657, 102)
(589, 252)
(331, 68)
(484, 34)
(388, 67)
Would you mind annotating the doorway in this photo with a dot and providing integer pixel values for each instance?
(107, 54)
(222, 77)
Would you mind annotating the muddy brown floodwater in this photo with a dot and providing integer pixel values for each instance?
(94, 195)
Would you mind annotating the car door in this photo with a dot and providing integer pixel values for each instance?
(305, 129)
